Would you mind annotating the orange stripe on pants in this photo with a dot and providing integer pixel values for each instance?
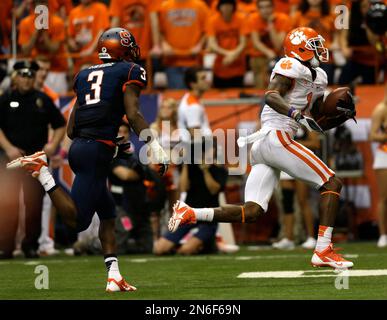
(302, 157)
(310, 154)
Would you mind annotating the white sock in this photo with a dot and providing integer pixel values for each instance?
(46, 179)
(114, 271)
(324, 238)
(204, 214)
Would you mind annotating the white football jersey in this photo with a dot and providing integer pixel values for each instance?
(191, 114)
(301, 96)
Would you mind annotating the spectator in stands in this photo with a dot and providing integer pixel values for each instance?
(294, 189)
(86, 23)
(5, 26)
(226, 33)
(182, 28)
(61, 7)
(379, 134)
(41, 76)
(246, 7)
(192, 117)
(202, 184)
(166, 128)
(135, 15)
(46, 42)
(268, 30)
(286, 6)
(24, 130)
(317, 14)
(357, 44)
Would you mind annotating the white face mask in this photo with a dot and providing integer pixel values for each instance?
(314, 62)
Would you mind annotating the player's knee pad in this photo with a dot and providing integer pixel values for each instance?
(288, 200)
(251, 211)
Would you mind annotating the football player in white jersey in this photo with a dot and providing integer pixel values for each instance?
(296, 84)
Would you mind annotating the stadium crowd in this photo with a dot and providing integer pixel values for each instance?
(227, 37)
(185, 44)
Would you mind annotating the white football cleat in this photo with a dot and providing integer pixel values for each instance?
(310, 243)
(284, 244)
(182, 214)
(382, 242)
(119, 286)
(329, 258)
(32, 163)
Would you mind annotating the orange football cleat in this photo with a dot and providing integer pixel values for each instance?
(32, 163)
(119, 286)
(182, 214)
(330, 258)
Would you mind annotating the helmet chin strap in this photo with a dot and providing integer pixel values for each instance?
(314, 62)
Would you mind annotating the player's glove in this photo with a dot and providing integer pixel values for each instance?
(348, 108)
(159, 156)
(307, 122)
(122, 148)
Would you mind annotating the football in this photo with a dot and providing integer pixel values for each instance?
(327, 115)
(329, 106)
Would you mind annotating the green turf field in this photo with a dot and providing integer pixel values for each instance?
(200, 277)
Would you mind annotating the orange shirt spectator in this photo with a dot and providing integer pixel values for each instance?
(182, 24)
(5, 25)
(87, 21)
(134, 15)
(243, 6)
(286, 6)
(268, 30)
(278, 25)
(45, 42)
(61, 7)
(227, 37)
(316, 14)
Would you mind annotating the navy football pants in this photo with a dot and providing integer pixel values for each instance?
(90, 160)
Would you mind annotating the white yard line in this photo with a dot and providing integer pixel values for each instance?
(304, 274)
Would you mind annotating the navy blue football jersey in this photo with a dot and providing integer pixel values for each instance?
(99, 91)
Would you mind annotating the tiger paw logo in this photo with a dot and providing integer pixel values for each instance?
(286, 64)
(297, 37)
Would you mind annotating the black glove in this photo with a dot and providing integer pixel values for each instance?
(162, 168)
(347, 107)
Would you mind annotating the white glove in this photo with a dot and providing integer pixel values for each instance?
(308, 123)
(159, 156)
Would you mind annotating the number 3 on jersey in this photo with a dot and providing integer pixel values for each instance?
(95, 78)
(143, 74)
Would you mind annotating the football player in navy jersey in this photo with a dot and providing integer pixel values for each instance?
(105, 93)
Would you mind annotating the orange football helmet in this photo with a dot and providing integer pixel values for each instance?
(118, 44)
(305, 44)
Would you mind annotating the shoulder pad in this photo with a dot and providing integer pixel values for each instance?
(136, 75)
(289, 67)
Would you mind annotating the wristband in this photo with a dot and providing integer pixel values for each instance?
(292, 112)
